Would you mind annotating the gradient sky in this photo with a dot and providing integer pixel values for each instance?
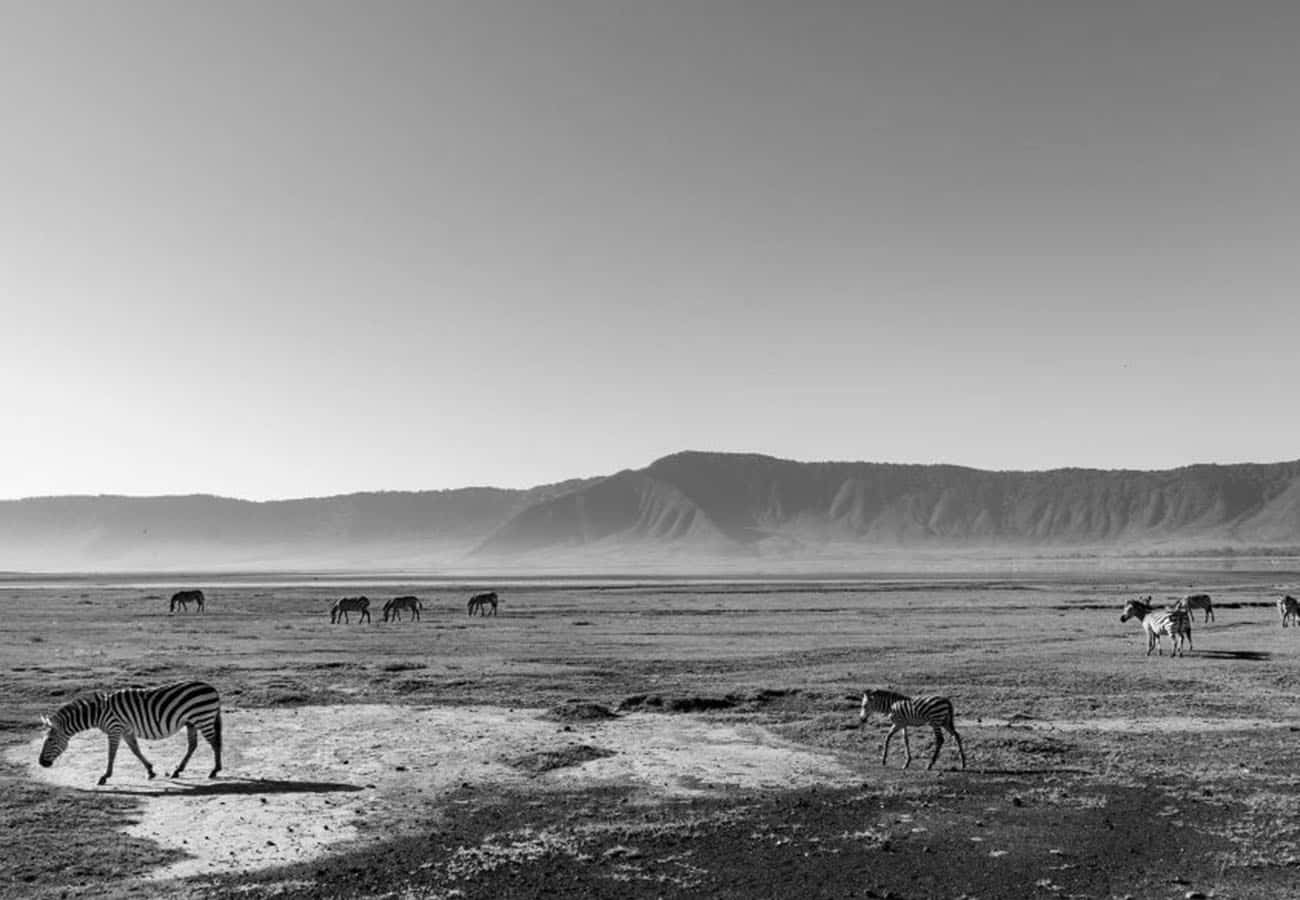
(286, 249)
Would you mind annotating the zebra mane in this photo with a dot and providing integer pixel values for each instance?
(64, 712)
(880, 690)
(884, 694)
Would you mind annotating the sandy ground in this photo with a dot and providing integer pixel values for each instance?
(298, 782)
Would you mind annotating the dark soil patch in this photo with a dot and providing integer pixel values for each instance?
(692, 703)
(579, 711)
(402, 667)
(85, 857)
(1043, 746)
(687, 704)
(549, 760)
(939, 837)
(411, 685)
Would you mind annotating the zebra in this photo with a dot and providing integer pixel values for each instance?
(1177, 623)
(480, 602)
(131, 713)
(339, 611)
(1289, 608)
(904, 711)
(183, 599)
(393, 608)
(1194, 602)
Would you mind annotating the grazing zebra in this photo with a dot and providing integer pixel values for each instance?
(479, 603)
(1289, 607)
(152, 714)
(183, 599)
(904, 711)
(1177, 623)
(1194, 602)
(339, 611)
(393, 608)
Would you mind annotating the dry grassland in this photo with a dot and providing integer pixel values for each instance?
(662, 739)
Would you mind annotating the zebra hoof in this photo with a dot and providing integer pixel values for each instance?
(103, 779)
(176, 774)
(151, 775)
(213, 773)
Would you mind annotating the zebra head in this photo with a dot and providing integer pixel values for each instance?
(1135, 609)
(875, 701)
(56, 740)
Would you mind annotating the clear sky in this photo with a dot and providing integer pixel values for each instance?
(303, 248)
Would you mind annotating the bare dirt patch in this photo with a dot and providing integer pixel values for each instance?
(300, 782)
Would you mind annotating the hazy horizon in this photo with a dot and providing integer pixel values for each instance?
(310, 249)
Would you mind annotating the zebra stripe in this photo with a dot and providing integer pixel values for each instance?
(1193, 602)
(393, 608)
(340, 610)
(1177, 623)
(133, 713)
(1289, 608)
(904, 712)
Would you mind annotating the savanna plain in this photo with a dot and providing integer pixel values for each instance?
(663, 738)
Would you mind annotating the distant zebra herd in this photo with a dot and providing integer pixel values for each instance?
(342, 610)
(1176, 621)
(480, 604)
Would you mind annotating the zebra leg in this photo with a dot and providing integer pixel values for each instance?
(134, 747)
(192, 741)
(213, 735)
(884, 758)
(938, 744)
(960, 748)
(112, 755)
(907, 745)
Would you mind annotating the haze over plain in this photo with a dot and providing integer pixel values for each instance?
(308, 249)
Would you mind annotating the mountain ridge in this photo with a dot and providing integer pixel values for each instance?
(681, 509)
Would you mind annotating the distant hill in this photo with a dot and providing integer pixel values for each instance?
(688, 511)
(759, 506)
(381, 530)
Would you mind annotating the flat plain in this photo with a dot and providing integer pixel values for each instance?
(663, 737)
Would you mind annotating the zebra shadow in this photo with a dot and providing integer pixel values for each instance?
(1252, 655)
(225, 786)
(1028, 770)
